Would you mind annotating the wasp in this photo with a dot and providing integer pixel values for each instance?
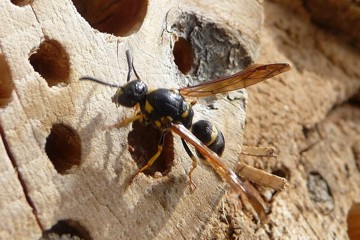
(168, 110)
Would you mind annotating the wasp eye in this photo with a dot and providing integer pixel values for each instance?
(130, 94)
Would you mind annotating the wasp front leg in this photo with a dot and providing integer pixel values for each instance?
(137, 109)
(126, 121)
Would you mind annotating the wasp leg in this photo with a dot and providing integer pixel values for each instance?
(194, 163)
(124, 122)
(130, 62)
(127, 121)
(137, 109)
(153, 158)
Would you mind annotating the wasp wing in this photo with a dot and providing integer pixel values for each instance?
(224, 172)
(245, 78)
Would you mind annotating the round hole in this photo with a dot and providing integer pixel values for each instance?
(283, 172)
(121, 18)
(63, 147)
(183, 55)
(21, 3)
(52, 62)
(320, 192)
(143, 142)
(70, 228)
(213, 52)
(6, 83)
(353, 222)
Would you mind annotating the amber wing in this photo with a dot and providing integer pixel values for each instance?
(221, 169)
(245, 78)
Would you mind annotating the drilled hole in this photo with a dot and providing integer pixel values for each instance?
(183, 55)
(63, 147)
(6, 83)
(121, 18)
(66, 229)
(205, 48)
(320, 192)
(353, 221)
(143, 142)
(21, 3)
(52, 62)
(283, 172)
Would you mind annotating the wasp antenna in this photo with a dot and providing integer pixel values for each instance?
(130, 64)
(86, 78)
(137, 76)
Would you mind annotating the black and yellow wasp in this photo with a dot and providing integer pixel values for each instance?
(167, 110)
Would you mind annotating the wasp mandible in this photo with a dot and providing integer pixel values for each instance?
(168, 110)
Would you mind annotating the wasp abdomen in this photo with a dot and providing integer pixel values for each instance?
(163, 106)
(210, 135)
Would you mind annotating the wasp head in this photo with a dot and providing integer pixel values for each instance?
(130, 94)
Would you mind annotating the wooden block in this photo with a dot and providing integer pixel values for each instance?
(73, 170)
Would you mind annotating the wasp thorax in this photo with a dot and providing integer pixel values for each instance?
(130, 94)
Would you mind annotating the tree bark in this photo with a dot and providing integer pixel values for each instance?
(311, 115)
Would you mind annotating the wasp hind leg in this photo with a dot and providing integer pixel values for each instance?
(194, 164)
(154, 157)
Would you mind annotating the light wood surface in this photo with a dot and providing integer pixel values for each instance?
(70, 166)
